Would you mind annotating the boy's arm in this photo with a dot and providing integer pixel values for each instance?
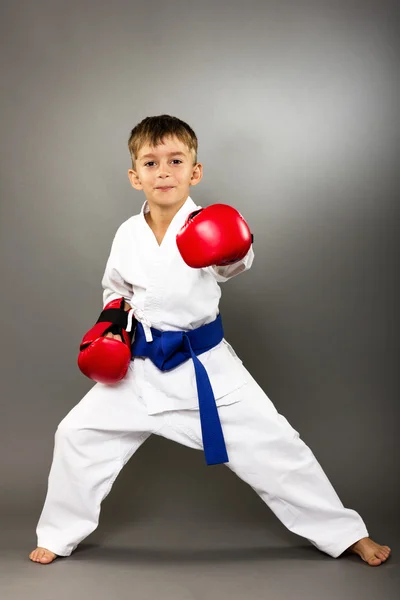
(113, 284)
(223, 273)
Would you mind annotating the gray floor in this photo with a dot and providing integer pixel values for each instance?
(182, 560)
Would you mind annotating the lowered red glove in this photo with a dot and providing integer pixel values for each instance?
(106, 360)
(216, 235)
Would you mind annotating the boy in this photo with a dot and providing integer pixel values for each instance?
(101, 433)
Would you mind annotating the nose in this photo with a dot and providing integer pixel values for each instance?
(163, 169)
(162, 178)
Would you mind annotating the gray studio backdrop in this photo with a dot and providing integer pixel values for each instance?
(295, 105)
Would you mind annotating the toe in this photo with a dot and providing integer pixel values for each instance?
(45, 557)
(374, 561)
(41, 555)
(381, 555)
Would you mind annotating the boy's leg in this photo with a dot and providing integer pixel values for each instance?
(267, 453)
(92, 444)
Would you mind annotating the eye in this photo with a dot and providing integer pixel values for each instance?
(152, 161)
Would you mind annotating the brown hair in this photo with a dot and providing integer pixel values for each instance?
(152, 130)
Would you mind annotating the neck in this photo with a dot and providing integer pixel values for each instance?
(161, 216)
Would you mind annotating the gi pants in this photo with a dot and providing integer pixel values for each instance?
(101, 433)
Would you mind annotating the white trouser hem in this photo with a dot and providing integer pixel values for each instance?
(335, 550)
(54, 547)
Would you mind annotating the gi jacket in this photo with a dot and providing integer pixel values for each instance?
(167, 294)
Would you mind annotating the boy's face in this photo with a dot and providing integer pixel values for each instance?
(168, 165)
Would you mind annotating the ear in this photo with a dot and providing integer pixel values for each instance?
(197, 174)
(134, 179)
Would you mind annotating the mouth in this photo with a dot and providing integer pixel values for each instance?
(165, 189)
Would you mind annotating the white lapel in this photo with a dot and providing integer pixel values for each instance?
(169, 241)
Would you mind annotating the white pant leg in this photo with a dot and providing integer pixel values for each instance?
(92, 444)
(267, 453)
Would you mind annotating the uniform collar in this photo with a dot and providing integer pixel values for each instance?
(188, 207)
(178, 219)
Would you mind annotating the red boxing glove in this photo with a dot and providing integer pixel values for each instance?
(106, 360)
(216, 235)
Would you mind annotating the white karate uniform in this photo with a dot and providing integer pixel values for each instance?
(101, 433)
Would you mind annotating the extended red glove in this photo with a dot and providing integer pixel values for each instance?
(216, 235)
(106, 360)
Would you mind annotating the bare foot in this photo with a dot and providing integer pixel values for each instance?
(42, 555)
(371, 552)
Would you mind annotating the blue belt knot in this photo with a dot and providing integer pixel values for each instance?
(170, 349)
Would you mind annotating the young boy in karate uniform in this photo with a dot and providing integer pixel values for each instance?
(159, 297)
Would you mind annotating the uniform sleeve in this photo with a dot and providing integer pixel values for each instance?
(114, 285)
(224, 273)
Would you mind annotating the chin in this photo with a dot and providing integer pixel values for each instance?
(169, 199)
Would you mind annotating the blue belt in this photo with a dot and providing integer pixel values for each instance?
(170, 349)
